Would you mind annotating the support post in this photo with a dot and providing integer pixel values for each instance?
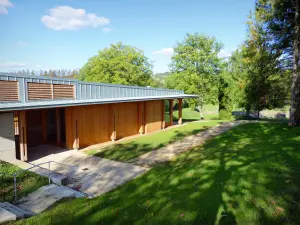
(171, 112)
(58, 127)
(163, 124)
(113, 123)
(23, 136)
(180, 111)
(44, 126)
(141, 119)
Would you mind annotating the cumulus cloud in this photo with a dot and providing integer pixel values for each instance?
(11, 65)
(224, 54)
(4, 4)
(164, 51)
(68, 18)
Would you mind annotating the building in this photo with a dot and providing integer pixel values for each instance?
(72, 114)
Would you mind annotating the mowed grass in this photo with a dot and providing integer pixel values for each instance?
(249, 175)
(131, 149)
(27, 182)
(210, 112)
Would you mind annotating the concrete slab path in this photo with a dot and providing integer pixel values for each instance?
(88, 174)
(169, 152)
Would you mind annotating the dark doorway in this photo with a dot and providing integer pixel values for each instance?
(51, 129)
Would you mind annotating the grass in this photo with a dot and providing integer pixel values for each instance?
(249, 175)
(210, 112)
(27, 182)
(131, 149)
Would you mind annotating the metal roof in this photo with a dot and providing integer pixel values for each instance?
(85, 93)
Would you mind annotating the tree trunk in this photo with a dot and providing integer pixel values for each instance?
(295, 76)
(200, 107)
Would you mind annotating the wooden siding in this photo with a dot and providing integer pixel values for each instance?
(88, 125)
(38, 91)
(34, 123)
(63, 91)
(9, 90)
(126, 119)
(153, 116)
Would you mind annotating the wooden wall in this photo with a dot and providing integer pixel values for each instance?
(88, 125)
(153, 116)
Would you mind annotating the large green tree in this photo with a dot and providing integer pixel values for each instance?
(195, 68)
(281, 19)
(118, 64)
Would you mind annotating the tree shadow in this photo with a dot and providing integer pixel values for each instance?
(248, 175)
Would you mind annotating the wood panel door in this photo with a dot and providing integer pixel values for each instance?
(153, 116)
(126, 119)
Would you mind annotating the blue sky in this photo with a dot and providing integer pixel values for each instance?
(64, 34)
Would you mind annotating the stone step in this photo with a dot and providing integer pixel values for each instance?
(44, 197)
(20, 213)
(6, 216)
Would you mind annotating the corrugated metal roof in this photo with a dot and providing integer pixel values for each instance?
(85, 93)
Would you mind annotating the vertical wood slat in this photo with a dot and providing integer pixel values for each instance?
(23, 136)
(141, 117)
(179, 111)
(50, 91)
(113, 124)
(9, 90)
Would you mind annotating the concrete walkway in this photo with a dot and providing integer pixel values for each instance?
(169, 152)
(88, 174)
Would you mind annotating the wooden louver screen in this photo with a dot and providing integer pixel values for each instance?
(62, 91)
(50, 91)
(9, 91)
(39, 91)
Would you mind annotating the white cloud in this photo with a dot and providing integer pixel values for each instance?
(68, 18)
(4, 4)
(106, 30)
(224, 54)
(11, 64)
(22, 43)
(164, 51)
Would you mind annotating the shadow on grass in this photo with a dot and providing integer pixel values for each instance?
(249, 175)
(130, 150)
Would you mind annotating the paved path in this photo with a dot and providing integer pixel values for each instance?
(88, 174)
(169, 152)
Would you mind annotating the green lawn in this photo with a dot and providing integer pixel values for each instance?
(131, 149)
(210, 112)
(26, 182)
(249, 175)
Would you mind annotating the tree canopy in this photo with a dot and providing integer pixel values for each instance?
(118, 64)
(195, 67)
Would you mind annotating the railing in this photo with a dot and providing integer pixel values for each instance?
(36, 165)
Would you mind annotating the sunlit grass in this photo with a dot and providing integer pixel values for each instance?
(249, 175)
(131, 149)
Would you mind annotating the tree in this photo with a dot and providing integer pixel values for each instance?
(118, 64)
(265, 81)
(281, 19)
(195, 66)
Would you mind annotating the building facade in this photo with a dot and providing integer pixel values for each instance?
(72, 114)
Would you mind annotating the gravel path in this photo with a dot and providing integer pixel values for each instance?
(169, 152)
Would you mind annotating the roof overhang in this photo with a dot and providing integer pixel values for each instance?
(5, 107)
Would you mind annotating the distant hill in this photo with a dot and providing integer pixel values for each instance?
(159, 79)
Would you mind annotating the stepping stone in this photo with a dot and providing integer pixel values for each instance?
(18, 212)
(6, 216)
(44, 197)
